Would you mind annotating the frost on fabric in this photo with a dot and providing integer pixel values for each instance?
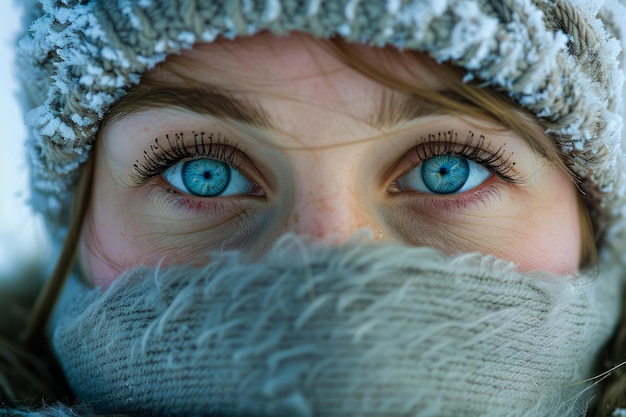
(210, 34)
(149, 61)
(247, 6)
(419, 14)
(591, 7)
(93, 30)
(313, 7)
(527, 53)
(97, 102)
(271, 12)
(87, 80)
(113, 82)
(186, 39)
(345, 30)
(126, 6)
(82, 120)
(112, 55)
(350, 9)
(161, 46)
(393, 6)
(473, 31)
(231, 29)
(55, 126)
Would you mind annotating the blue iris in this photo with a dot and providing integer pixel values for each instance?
(205, 177)
(445, 174)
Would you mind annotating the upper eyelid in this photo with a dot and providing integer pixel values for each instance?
(175, 148)
(447, 142)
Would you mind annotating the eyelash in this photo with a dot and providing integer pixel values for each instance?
(157, 159)
(446, 143)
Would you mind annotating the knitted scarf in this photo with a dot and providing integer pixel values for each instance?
(361, 330)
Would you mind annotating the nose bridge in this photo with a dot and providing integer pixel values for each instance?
(327, 205)
(329, 217)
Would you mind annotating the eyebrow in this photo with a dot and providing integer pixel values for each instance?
(393, 108)
(203, 99)
(396, 107)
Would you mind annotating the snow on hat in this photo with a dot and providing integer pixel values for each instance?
(559, 59)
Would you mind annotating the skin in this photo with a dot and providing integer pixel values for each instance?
(324, 170)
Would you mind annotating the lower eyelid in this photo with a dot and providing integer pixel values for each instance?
(481, 197)
(173, 204)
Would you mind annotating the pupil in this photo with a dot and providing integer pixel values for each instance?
(445, 174)
(205, 177)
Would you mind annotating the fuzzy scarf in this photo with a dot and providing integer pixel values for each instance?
(361, 330)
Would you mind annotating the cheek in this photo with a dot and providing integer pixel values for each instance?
(548, 234)
(115, 240)
(109, 242)
(103, 251)
(121, 233)
(537, 226)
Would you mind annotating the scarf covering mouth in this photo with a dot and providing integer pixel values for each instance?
(359, 330)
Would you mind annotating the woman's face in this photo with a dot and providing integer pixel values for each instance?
(235, 143)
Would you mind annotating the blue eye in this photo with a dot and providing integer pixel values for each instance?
(444, 174)
(207, 178)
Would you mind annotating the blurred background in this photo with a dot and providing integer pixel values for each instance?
(21, 234)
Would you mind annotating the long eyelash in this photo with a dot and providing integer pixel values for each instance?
(446, 143)
(164, 154)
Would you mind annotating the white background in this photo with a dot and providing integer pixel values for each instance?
(21, 236)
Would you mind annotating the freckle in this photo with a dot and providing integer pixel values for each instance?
(296, 218)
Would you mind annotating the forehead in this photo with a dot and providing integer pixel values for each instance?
(299, 86)
(296, 64)
(271, 82)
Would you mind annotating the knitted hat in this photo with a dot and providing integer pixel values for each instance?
(557, 58)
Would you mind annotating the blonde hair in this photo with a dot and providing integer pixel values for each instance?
(49, 294)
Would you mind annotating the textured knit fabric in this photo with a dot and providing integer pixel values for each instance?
(553, 57)
(360, 330)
